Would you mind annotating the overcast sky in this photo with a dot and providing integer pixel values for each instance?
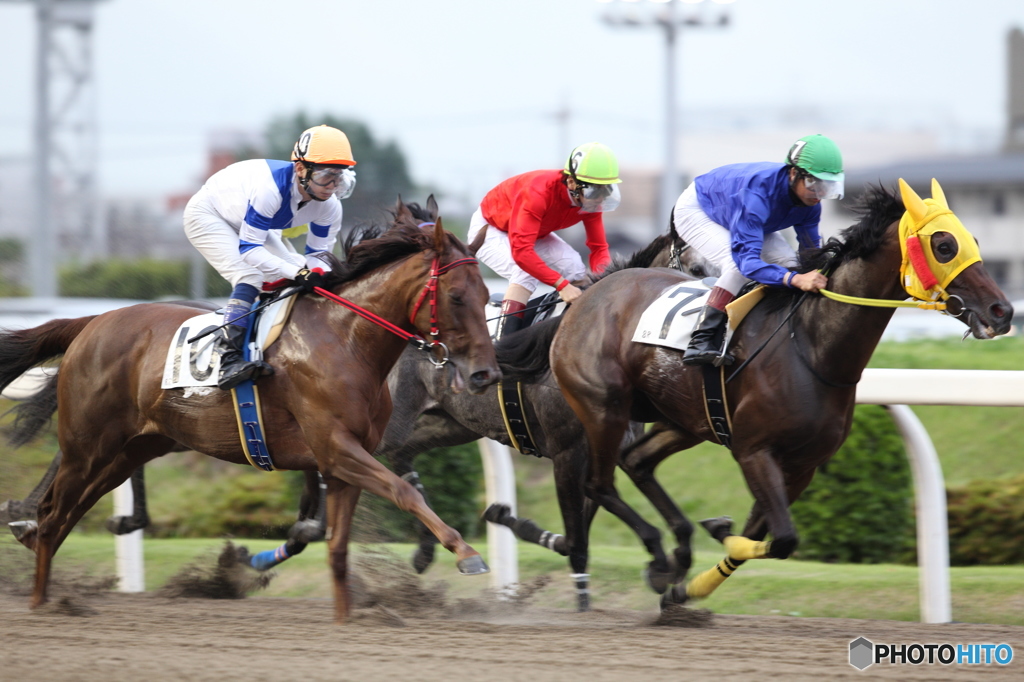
(469, 88)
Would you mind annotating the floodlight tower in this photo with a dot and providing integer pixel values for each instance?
(64, 139)
(671, 25)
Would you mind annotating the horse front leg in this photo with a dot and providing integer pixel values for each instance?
(310, 527)
(122, 525)
(342, 498)
(349, 462)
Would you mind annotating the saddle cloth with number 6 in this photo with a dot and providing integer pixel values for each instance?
(196, 364)
(671, 318)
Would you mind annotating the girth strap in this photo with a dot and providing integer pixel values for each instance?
(715, 404)
(510, 399)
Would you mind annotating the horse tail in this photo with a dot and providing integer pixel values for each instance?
(33, 413)
(524, 355)
(22, 349)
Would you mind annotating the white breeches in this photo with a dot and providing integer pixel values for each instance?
(712, 241)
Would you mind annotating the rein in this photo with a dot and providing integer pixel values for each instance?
(429, 289)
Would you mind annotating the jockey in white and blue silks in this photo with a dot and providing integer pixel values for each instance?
(236, 220)
(733, 216)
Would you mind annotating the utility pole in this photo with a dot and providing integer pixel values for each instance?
(65, 140)
(671, 24)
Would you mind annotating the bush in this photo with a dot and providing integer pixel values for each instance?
(145, 280)
(858, 508)
(986, 522)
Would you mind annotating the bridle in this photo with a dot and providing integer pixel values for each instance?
(429, 290)
(675, 256)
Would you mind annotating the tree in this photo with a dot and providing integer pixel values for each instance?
(381, 170)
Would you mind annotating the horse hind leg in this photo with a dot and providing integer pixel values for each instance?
(311, 527)
(26, 509)
(73, 493)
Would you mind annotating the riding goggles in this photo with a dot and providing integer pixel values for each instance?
(598, 198)
(824, 189)
(344, 179)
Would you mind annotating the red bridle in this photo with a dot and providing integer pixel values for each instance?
(430, 288)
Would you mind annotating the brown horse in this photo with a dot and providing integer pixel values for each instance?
(791, 407)
(324, 408)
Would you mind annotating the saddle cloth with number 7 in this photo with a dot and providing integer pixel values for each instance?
(672, 316)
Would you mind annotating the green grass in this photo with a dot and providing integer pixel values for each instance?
(797, 588)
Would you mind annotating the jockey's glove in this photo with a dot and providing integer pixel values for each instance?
(309, 279)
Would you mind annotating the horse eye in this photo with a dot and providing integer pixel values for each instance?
(946, 248)
(455, 297)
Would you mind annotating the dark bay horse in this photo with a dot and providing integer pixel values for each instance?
(427, 415)
(790, 408)
(323, 409)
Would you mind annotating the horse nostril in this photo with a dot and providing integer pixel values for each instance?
(480, 378)
(999, 311)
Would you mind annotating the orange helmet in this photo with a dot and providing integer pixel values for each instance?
(323, 145)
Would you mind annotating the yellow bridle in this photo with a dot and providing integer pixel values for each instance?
(923, 277)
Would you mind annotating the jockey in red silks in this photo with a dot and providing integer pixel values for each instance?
(515, 224)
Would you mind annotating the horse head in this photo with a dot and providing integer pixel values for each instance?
(452, 320)
(942, 262)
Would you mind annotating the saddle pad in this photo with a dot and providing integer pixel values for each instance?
(671, 317)
(195, 364)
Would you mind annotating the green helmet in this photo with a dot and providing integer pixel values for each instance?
(819, 156)
(593, 163)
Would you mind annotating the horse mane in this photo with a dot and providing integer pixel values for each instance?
(877, 208)
(371, 246)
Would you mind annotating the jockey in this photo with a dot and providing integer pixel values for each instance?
(732, 216)
(519, 217)
(236, 220)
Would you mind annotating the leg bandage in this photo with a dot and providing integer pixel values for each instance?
(706, 583)
(742, 548)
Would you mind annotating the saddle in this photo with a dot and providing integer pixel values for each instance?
(510, 395)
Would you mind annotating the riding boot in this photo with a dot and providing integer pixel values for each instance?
(234, 369)
(511, 319)
(707, 339)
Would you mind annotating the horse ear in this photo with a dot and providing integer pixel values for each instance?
(401, 210)
(440, 242)
(432, 208)
(913, 203)
(938, 195)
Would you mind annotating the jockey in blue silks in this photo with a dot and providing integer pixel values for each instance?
(733, 216)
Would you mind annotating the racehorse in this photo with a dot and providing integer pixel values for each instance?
(323, 409)
(790, 408)
(427, 415)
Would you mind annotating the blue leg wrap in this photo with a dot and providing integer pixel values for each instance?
(268, 559)
(242, 298)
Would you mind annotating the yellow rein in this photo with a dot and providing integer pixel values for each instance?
(883, 303)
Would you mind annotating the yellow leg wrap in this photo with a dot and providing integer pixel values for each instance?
(741, 548)
(708, 581)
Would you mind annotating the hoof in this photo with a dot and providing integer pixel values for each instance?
(719, 528)
(472, 565)
(422, 557)
(307, 531)
(674, 597)
(14, 510)
(500, 514)
(659, 580)
(122, 525)
(19, 529)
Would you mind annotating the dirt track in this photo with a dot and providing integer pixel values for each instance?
(111, 636)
